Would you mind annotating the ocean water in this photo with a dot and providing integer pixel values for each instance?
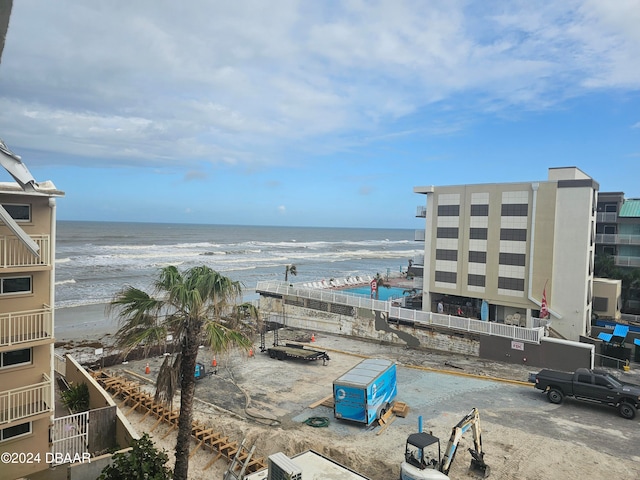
(95, 260)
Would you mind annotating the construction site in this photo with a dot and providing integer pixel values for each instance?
(249, 407)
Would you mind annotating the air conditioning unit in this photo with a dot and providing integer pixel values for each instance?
(282, 467)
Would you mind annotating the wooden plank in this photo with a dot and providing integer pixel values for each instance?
(193, 452)
(320, 402)
(214, 460)
(386, 424)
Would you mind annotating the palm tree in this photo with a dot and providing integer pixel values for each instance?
(290, 269)
(193, 307)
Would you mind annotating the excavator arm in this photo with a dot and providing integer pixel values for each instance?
(469, 421)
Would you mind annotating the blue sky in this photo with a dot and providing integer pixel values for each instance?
(314, 113)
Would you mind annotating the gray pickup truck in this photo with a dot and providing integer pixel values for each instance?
(591, 385)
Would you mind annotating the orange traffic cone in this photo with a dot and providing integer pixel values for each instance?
(313, 337)
(214, 362)
(147, 369)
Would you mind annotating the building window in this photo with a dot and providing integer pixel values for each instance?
(517, 259)
(446, 277)
(19, 212)
(479, 210)
(511, 283)
(448, 210)
(442, 254)
(513, 234)
(9, 285)
(14, 358)
(608, 250)
(477, 257)
(611, 207)
(476, 280)
(478, 233)
(515, 210)
(609, 230)
(447, 232)
(15, 431)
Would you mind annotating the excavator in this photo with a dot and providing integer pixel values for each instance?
(421, 462)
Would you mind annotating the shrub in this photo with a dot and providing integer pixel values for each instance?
(144, 461)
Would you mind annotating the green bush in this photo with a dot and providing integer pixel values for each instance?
(144, 461)
(76, 398)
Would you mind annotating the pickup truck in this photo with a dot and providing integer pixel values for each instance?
(591, 385)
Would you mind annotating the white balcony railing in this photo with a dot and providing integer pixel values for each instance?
(606, 217)
(13, 253)
(419, 235)
(26, 326)
(416, 316)
(622, 261)
(421, 211)
(24, 402)
(617, 239)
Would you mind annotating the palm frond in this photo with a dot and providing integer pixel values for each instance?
(221, 339)
(167, 381)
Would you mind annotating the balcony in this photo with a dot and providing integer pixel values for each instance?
(421, 211)
(13, 253)
(24, 402)
(606, 217)
(622, 261)
(617, 239)
(419, 235)
(26, 326)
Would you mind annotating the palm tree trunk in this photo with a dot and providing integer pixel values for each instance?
(187, 391)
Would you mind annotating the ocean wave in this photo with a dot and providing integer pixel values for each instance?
(63, 260)
(65, 282)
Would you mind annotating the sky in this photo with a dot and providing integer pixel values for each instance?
(300, 113)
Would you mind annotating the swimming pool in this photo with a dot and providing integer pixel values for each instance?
(384, 293)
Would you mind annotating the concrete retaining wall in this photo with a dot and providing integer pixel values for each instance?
(367, 325)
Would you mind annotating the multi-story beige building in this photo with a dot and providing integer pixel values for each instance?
(493, 249)
(27, 259)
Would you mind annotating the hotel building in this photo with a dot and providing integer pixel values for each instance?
(495, 249)
(27, 257)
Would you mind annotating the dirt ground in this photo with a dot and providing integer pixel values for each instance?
(267, 401)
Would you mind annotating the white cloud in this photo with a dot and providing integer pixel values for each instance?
(282, 209)
(241, 82)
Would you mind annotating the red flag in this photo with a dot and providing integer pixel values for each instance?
(544, 310)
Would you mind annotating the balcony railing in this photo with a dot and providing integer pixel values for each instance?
(24, 402)
(26, 326)
(421, 211)
(416, 316)
(607, 217)
(419, 236)
(622, 261)
(13, 253)
(617, 239)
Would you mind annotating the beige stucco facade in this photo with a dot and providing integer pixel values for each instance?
(26, 329)
(507, 243)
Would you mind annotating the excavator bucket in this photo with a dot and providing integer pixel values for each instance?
(478, 467)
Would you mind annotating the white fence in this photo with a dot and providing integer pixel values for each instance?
(26, 326)
(70, 437)
(420, 317)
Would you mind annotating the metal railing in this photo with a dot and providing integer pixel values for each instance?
(623, 261)
(617, 239)
(26, 326)
(421, 211)
(13, 253)
(467, 324)
(419, 235)
(60, 364)
(452, 322)
(606, 217)
(26, 401)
